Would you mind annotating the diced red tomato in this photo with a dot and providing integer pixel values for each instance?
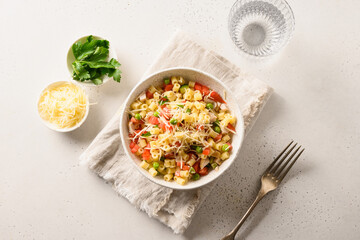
(132, 144)
(148, 146)
(203, 171)
(132, 135)
(177, 173)
(206, 151)
(169, 87)
(135, 148)
(162, 126)
(134, 120)
(153, 120)
(196, 166)
(231, 127)
(205, 90)
(218, 137)
(146, 154)
(149, 95)
(198, 86)
(186, 167)
(216, 97)
(199, 127)
(178, 144)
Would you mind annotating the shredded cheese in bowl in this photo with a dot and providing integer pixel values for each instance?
(63, 106)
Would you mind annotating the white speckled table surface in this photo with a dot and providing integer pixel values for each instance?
(45, 194)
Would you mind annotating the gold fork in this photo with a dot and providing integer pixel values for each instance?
(270, 180)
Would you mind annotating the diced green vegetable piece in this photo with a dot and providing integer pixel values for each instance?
(156, 165)
(147, 134)
(196, 176)
(166, 81)
(156, 114)
(173, 121)
(162, 158)
(217, 129)
(183, 88)
(188, 110)
(209, 106)
(225, 147)
(138, 116)
(199, 149)
(179, 105)
(130, 116)
(156, 126)
(192, 170)
(214, 165)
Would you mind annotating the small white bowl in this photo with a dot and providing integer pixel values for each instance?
(156, 79)
(70, 59)
(54, 127)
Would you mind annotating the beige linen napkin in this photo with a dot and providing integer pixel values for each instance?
(106, 157)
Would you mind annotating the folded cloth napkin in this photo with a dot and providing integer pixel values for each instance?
(106, 157)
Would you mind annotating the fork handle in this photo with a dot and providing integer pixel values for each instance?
(232, 234)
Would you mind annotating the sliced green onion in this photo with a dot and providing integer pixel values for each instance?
(214, 165)
(156, 114)
(166, 81)
(199, 149)
(183, 88)
(188, 110)
(182, 106)
(217, 129)
(138, 116)
(225, 147)
(192, 170)
(156, 126)
(196, 176)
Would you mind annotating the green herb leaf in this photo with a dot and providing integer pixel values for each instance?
(91, 64)
(147, 134)
(100, 54)
(97, 81)
(115, 63)
(117, 75)
(80, 71)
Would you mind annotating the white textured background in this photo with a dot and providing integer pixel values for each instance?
(44, 194)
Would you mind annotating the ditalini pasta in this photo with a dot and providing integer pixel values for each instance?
(180, 130)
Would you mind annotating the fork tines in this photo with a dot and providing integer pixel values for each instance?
(277, 167)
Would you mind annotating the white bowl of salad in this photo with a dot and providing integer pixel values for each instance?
(182, 128)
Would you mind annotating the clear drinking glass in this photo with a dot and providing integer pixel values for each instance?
(261, 27)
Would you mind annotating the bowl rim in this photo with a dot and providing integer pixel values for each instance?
(112, 52)
(174, 186)
(51, 126)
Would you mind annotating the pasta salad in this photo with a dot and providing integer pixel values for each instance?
(180, 130)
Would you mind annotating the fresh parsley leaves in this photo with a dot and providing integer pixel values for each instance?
(91, 61)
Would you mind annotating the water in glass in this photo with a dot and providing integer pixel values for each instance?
(261, 28)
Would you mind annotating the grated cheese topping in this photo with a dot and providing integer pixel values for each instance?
(63, 106)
